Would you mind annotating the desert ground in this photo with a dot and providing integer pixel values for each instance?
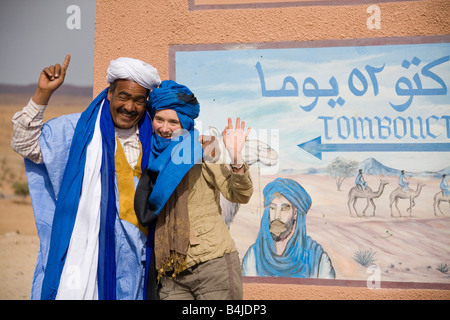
(19, 243)
(407, 248)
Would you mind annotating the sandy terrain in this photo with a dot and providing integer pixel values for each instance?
(19, 243)
(408, 249)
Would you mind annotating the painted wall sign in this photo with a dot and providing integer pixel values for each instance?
(349, 152)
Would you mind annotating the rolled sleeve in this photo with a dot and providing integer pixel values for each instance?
(27, 125)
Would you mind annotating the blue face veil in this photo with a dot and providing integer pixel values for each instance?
(170, 159)
(302, 254)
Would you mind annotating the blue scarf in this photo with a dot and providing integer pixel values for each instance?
(69, 195)
(302, 254)
(171, 159)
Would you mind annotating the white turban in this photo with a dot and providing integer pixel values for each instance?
(135, 70)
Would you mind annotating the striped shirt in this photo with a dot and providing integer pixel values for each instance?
(27, 125)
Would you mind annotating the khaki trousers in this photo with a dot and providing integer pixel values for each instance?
(216, 279)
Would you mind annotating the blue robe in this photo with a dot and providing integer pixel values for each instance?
(360, 181)
(402, 183)
(445, 188)
(45, 184)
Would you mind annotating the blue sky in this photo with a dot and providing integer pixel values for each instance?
(227, 83)
(34, 34)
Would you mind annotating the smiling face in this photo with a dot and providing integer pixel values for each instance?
(127, 101)
(165, 122)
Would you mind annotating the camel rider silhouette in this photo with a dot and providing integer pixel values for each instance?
(444, 186)
(360, 181)
(401, 181)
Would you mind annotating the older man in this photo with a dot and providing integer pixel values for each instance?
(282, 248)
(82, 170)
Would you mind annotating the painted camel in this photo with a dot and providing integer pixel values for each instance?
(438, 198)
(356, 193)
(400, 194)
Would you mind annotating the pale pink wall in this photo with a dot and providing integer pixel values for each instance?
(145, 29)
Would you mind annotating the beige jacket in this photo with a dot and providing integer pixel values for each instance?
(210, 237)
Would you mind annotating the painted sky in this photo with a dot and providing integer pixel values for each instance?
(35, 34)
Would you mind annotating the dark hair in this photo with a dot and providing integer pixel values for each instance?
(112, 86)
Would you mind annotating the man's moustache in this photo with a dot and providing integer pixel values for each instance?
(277, 227)
(126, 113)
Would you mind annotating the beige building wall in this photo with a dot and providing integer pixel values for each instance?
(145, 29)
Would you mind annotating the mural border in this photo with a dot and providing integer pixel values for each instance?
(359, 42)
(280, 4)
(346, 283)
(173, 49)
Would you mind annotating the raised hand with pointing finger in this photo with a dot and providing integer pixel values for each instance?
(50, 79)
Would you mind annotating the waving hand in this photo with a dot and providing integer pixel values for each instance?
(234, 140)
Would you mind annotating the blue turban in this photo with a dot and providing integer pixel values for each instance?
(302, 254)
(291, 190)
(171, 95)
